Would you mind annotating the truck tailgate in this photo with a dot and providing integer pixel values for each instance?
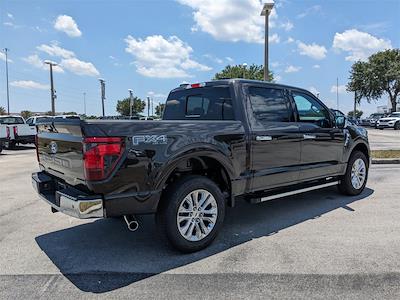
(60, 150)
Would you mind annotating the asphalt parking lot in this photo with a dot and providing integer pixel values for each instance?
(387, 139)
(315, 245)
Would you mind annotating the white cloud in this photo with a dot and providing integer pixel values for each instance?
(340, 88)
(229, 59)
(359, 45)
(156, 95)
(156, 56)
(274, 38)
(37, 62)
(278, 78)
(233, 20)
(313, 90)
(287, 26)
(316, 66)
(3, 57)
(275, 64)
(311, 10)
(79, 67)
(55, 50)
(68, 25)
(10, 16)
(290, 40)
(69, 60)
(214, 58)
(292, 69)
(9, 24)
(312, 50)
(29, 84)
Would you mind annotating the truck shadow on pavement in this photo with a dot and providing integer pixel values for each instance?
(103, 255)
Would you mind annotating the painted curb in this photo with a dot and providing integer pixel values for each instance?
(382, 161)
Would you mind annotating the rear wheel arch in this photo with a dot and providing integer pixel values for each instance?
(201, 164)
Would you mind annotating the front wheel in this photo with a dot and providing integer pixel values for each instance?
(192, 213)
(397, 126)
(355, 179)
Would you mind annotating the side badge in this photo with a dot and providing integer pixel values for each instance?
(149, 139)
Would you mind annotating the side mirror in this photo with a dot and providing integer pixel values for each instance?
(340, 122)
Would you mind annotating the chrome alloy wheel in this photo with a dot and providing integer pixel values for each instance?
(197, 215)
(358, 173)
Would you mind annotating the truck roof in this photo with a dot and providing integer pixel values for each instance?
(235, 81)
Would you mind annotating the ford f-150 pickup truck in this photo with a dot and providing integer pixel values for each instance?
(19, 131)
(219, 142)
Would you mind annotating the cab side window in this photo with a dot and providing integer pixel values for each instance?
(311, 111)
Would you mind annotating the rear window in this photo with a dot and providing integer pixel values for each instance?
(208, 103)
(11, 120)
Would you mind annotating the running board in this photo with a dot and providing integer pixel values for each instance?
(303, 190)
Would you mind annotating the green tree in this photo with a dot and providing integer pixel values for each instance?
(26, 114)
(359, 113)
(70, 113)
(137, 107)
(378, 76)
(2, 110)
(255, 72)
(159, 109)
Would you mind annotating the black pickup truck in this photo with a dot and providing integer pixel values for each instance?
(219, 142)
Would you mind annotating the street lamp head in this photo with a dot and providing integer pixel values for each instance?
(49, 62)
(130, 90)
(267, 8)
(101, 80)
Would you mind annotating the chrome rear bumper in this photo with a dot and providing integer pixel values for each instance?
(67, 200)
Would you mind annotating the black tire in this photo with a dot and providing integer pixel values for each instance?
(166, 216)
(9, 145)
(380, 128)
(397, 125)
(346, 186)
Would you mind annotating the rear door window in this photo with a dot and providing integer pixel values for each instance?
(269, 105)
(207, 103)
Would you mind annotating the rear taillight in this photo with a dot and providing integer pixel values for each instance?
(100, 156)
(15, 128)
(8, 132)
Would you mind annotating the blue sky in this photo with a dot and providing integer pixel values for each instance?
(153, 46)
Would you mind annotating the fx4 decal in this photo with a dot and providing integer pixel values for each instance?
(149, 139)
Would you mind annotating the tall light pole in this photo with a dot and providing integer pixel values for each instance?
(244, 70)
(130, 102)
(267, 8)
(8, 92)
(337, 93)
(52, 91)
(84, 103)
(103, 93)
(148, 106)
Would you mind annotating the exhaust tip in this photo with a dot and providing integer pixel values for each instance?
(131, 222)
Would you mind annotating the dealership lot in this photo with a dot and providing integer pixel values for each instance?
(320, 244)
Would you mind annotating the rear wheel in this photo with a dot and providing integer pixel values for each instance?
(9, 145)
(397, 125)
(355, 179)
(192, 213)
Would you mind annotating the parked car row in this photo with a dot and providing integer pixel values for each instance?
(381, 121)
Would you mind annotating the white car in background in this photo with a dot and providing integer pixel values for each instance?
(32, 121)
(19, 131)
(391, 121)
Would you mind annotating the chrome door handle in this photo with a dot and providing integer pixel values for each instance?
(263, 138)
(309, 136)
